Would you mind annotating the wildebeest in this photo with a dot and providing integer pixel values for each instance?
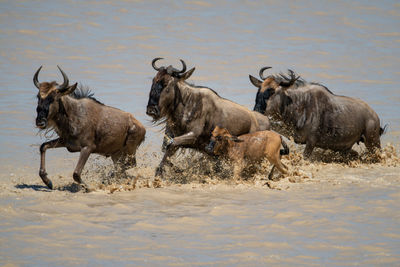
(314, 115)
(84, 124)
(248, 148)
(191, 112)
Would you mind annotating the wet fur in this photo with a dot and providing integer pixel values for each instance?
(191, 112)
(85, 125)
(315, 116)
(250, 148)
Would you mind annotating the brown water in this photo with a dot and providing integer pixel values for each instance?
(323, 213)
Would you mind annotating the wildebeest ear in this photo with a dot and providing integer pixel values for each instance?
(256, 82)
(187, 74)
(70, 89)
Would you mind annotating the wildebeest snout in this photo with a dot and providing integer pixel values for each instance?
(210, 147)
(153, 111)
(41, 122)
(260, 105)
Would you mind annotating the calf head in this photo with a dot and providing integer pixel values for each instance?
(220, 141)
(48, 98)
(269, 87)
(164, 94)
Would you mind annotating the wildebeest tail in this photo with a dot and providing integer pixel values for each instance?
(285, 150)
(383, 130)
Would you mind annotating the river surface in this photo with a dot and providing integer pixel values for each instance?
(324, 213)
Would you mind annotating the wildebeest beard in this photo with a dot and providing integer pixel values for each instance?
(261, 100)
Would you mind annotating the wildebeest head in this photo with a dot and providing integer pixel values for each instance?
(48, 97)
(220, 140)
(164, 93)
(269, 86)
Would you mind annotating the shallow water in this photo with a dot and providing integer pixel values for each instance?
(334, 214)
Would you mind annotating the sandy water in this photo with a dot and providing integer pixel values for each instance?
(323, 214)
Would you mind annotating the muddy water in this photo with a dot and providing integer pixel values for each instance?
(324, 213)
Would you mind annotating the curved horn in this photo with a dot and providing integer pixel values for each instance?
(261, 72)
(153, 63)
(183, 67)
(63, 86)
(35, 78)
(289, 82)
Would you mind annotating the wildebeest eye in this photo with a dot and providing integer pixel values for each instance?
(269, 92)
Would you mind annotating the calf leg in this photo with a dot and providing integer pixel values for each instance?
(271, 173)
(237, 169)
(42, 172)
(275, 159)
(83, 157)
(279, 165)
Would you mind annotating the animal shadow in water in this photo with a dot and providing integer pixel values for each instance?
(35, 187)
(73, 188)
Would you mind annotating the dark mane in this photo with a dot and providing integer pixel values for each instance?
(299, 82)
(326, 88)
(84, 92)
(196, 86)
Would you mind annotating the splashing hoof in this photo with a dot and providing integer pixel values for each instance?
(76, 187)
(77, 178)
(159, 172)
(86, 188)
(46, 180)
(49, 184)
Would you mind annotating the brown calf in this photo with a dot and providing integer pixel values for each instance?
(251, 148)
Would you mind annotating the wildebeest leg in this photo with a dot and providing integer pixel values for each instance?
(168, 135)
(237, 169)
(271, 173)
(349, 154)
(275, 159)
(83, 157)
(122, 162)
(170, 152)
(135, 138)
(309, 149)
(172, 147)
(42, 172)
(185, 139)
(372, 137)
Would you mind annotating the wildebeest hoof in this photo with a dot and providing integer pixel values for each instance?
(159, 172)
(47, 181)
(169, 143)
(76, 187)
(77, 178)
(87, 188)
